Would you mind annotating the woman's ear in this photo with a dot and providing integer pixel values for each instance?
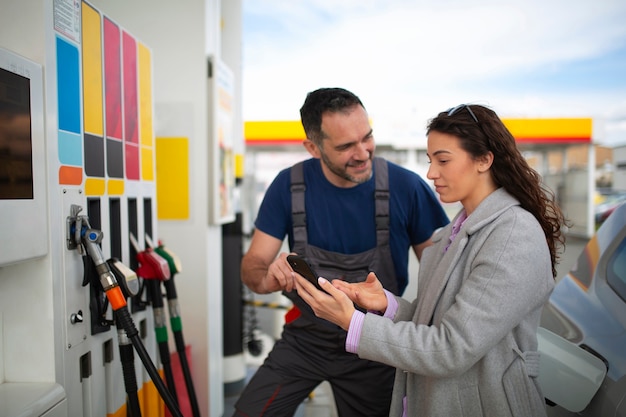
(312, 148)
(485, 161)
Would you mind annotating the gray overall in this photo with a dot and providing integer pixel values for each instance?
(312, 350)
(331, 265)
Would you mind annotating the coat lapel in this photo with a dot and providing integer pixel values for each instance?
(435, 270)
(435, 273)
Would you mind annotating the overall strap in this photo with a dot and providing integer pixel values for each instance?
(381, 196)
(381, 199)
(298, 214)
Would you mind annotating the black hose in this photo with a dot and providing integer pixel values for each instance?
(126, 321)
(164, 352)
(161, 334)
(130, 379)
(177, 330)
(182, 355)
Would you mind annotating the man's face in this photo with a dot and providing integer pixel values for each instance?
(348, 147)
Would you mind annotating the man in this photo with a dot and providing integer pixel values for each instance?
(348, 213)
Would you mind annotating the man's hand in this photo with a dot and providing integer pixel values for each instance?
(277, 276)
(263, 269)
(280, 276)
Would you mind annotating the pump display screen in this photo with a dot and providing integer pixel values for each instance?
(16, 150)
(23, 206)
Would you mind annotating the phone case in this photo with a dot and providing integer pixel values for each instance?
(302, 267)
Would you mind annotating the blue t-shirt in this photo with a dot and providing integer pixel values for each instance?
(343, 219)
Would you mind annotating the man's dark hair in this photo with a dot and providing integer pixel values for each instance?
(320, 101)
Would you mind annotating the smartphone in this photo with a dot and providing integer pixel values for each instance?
(302, 267)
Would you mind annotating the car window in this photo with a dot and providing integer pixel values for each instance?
(616, 270)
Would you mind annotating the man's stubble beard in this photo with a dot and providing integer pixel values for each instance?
(342, 172)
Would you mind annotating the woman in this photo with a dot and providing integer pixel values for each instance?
(467, 345)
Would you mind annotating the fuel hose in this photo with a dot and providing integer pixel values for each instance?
(177, 329)
(91, 238)
(176, 323)
(127, 358)
(123, 317)
(160, 330)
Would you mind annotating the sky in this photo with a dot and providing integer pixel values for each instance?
(410, 59)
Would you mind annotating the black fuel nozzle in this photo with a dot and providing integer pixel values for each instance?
(126, 277)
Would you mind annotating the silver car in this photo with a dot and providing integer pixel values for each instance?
(585, 374)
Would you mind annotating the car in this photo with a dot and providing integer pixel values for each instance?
(607, 203)
(586, 313)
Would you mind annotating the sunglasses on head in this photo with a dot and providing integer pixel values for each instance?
(456, 109)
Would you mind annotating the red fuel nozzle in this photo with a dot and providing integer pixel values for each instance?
(152, 266)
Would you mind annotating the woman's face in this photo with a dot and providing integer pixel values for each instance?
(456, 175)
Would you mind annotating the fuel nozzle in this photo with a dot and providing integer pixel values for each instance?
(91, 241)
(126, 277)
(172, 259)
(151, 265)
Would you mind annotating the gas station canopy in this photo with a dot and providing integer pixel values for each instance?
(533, 132)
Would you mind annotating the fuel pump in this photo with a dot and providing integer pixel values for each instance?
(87, 240)
(176, 322)
(154, 270)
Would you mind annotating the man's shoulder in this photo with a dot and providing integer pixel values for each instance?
(307, 164)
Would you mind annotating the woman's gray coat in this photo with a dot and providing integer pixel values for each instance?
(467, 345)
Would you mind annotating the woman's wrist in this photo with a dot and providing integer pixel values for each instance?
(392, 305)
(354, 331)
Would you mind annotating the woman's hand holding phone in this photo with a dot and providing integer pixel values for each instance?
(332, 305)
(302, 267)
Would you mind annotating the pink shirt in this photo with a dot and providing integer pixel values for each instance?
(356, 323)
(456, 227)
